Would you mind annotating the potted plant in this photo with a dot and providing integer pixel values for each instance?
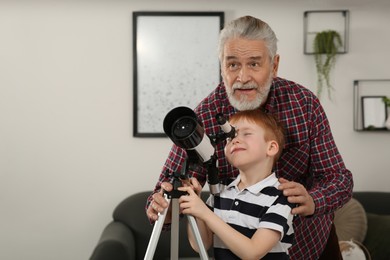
(325, 45)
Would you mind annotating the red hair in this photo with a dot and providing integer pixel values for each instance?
(273, 128)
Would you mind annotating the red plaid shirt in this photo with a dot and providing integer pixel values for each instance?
(310, 157)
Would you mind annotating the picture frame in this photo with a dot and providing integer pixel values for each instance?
(367, 87)
(374, 112)
(175, 63)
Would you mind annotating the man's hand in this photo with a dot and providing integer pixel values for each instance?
(159, 203)
(297, 194)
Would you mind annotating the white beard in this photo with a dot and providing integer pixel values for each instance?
(243, 103)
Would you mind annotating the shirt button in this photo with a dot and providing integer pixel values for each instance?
(236, 203)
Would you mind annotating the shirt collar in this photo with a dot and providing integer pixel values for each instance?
(270, 181)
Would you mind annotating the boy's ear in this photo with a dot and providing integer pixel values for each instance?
(273, 148)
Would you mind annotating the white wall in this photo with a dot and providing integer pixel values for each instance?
(67, 155)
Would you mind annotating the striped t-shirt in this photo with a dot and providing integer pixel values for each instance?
(261, 205)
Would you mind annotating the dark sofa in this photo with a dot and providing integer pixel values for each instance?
(377, 207)
(128, 235)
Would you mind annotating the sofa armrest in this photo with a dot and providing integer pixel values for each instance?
(377, 207)
(116, 242)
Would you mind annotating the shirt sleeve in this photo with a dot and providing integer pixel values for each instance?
(332, 181)
(278, 217)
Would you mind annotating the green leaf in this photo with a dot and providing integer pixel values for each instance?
(325, 45)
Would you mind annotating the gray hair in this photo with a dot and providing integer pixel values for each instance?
(251, 28)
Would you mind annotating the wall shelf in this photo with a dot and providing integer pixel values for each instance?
(370, 112)
(323, 20)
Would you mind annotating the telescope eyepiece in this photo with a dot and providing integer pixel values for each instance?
(228, 129)
(221, 120)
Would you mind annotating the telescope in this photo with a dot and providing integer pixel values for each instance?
(182, 127)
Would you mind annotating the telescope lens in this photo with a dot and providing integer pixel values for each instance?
(183, 127)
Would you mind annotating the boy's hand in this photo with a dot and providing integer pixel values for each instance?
(194, 184)
(191, 204)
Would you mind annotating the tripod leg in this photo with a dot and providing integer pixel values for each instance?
(174, 233)
(156, 234)
(198, 238)
(175, 230)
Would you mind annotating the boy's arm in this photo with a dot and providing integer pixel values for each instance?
(205, 233)
(246, 248)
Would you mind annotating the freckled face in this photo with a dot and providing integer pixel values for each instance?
(247, 72)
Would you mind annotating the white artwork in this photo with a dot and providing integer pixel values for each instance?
(374, 112)
(176, 65)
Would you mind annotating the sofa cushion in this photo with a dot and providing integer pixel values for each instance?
(377, 239)
(351, 221)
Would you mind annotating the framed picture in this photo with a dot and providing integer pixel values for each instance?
(367, 88)
(374, 112)
(175, 63)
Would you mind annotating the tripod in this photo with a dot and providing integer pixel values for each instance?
(172, 197)
(195, 154)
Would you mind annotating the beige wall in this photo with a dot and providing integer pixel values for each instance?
(67, 155)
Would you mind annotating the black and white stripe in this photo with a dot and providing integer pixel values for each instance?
(260, 206)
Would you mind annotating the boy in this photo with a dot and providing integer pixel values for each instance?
(250, 218)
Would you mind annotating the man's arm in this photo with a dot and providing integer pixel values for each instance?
(330, 185)
(333, 183)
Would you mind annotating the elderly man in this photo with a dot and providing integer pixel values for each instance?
(311, 170)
